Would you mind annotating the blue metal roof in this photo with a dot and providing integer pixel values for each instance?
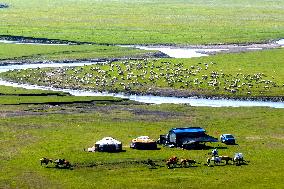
(188, 130)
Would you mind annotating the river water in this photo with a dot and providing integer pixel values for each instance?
(280, 42)
(193, 101)
(175, 52)
(25, 43)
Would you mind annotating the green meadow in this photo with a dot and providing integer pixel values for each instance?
(146, 22)
(64, 131)
(41, 123)
(17, 91)
(26, 52)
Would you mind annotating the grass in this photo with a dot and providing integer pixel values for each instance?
(251, 74)
(146, 22)
(30, 127)
(6, 90)
(64, 52)
(17, 96)
(8, 100)
(25, 139)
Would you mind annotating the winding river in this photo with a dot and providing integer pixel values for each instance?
(172, 52)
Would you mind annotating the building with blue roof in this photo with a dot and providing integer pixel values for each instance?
(183, 137)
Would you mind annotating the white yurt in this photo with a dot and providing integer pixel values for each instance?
(108, 144)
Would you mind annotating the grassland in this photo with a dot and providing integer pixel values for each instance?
(18, 96)
(34, 124)
(251, 74)
(10, 100)
(65, 52)
(38, 130)
(146, 22)
(17, 91)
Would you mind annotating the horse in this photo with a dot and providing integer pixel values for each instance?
(172, 162)
(238, 159)
(62, 163)
(45, 161)
(187, 162)
(226, 159)
(216, 160)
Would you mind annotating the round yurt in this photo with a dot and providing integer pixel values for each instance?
(108, 144)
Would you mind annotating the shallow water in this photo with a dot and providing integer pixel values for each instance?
(175, 52)
(42, 65)
(25, 43)
(280, 42)
(158, 99)
(139, 98)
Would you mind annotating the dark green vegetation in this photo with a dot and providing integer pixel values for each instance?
(29, 132)
(144, 22)
(5, 90)
(17, 96)
(9, 100)
(65, 52)
(253, 74)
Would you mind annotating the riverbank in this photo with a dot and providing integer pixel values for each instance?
(179, 91)
(84, 60)
(165, 50)
(226, 76)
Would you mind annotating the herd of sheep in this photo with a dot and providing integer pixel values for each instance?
(143, 76)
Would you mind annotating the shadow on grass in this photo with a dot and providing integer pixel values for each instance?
(144, 149)
(60, 168)
(204, 147)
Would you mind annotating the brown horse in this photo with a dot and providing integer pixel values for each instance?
(172, 162)
(187, 162)
(45, 161)
(226, 159)
(62, 163)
